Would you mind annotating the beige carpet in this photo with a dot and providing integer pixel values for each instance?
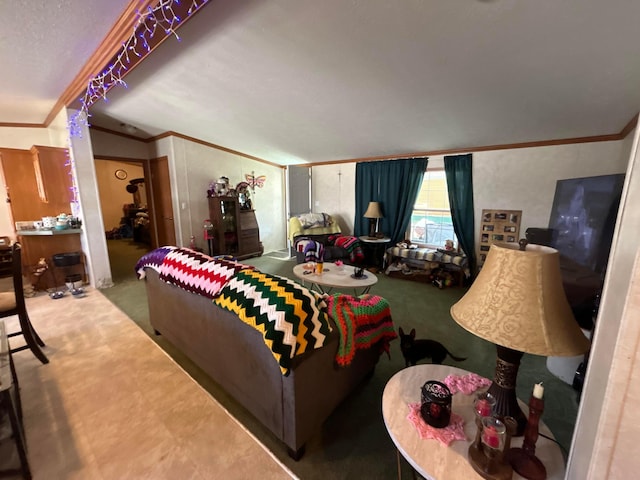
(112, 405)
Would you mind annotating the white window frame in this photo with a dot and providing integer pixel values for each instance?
(426, 211)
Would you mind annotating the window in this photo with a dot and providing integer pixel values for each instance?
(431, 223)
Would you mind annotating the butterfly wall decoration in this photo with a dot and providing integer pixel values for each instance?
(254, 181)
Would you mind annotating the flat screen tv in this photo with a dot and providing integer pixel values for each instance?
(583, 218)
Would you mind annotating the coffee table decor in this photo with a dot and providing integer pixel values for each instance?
(493, 440)
(436, 404)
(466, 384)
(452, 432)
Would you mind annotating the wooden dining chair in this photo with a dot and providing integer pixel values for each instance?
(12, 302)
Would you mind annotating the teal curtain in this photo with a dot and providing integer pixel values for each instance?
(458, 170)
(393, 183)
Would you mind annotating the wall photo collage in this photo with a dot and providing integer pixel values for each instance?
(498, 226)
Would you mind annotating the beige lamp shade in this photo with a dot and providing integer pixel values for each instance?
(518, 301)
(373, 210)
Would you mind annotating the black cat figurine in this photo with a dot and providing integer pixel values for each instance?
(414, 350)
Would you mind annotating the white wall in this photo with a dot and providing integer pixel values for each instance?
(193, 166)
(333, 192)
(25, 138)
(108, 145)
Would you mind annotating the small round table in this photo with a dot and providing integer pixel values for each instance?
(331, 277)
(376, 244)
(431, 458)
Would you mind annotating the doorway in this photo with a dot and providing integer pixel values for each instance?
(126, 212)
(298, 193)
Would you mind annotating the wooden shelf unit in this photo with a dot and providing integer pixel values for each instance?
(236, 231)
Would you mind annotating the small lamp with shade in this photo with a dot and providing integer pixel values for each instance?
(374, 214)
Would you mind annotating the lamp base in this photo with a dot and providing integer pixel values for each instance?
(372, 227)
(527, 465)
(490, 469)
(503, 387)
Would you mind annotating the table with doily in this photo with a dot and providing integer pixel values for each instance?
(441, 454)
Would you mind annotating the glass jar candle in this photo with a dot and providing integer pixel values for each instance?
(484, 404)
(436, 404)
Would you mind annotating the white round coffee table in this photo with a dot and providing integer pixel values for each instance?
(332, 277)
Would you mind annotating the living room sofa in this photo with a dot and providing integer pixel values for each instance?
(234, 354)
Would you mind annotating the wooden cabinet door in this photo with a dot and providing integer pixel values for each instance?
(249, 233)
(224, 213)
(53, 177)
(20, 184)
(162, 203)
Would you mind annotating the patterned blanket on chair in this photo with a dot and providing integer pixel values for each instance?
(190, 270)
(350, 244)
(288, 315)
(362, 322)
(313, 251)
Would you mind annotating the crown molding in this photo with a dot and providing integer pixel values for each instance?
(108, 48)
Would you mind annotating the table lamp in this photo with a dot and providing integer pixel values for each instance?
(518, 302)
(374, 214)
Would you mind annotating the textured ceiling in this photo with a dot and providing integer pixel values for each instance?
(43, 45)
(301, 80)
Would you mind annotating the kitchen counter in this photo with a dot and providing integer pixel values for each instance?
(47, 231)
(43, 244)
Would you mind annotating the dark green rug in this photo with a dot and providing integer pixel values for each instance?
(353, 442)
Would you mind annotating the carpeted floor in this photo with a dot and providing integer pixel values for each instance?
(353, 442)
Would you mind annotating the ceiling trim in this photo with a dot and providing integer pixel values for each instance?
(506, 146)
(22, 125)
(114, 158)
(628, 128)
(107, 49)
(213, 145)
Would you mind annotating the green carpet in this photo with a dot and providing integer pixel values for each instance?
(353, 442)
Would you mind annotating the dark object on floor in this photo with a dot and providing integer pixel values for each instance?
(414, 350)
(441, 278)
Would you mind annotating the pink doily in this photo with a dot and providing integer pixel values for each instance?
(454, 431)
(466, 384)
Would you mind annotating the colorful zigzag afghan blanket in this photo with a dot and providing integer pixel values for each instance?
(313, 251)
(289, 316)
(362, 322)
(153, 260)
(190, 270)
(350, 244)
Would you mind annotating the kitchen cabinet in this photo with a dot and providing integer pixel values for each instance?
(235, 231)
(37, 181)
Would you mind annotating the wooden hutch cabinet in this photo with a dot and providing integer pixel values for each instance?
(236, 230)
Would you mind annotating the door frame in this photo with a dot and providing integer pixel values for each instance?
(166, 189)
